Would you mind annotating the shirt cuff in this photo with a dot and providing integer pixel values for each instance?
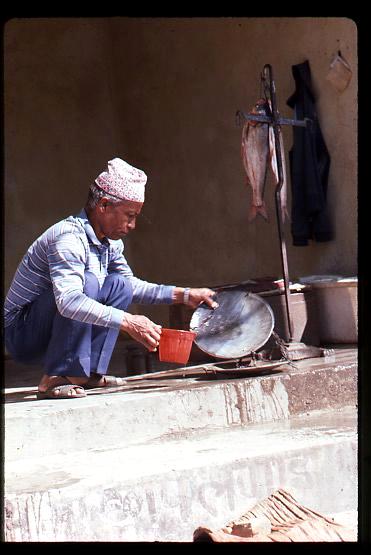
(167, 294)
(117, 317)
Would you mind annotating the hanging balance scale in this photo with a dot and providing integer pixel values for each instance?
(244, 321)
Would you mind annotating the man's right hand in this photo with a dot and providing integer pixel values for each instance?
(142, 329)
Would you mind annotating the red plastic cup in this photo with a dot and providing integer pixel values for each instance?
(175, 345)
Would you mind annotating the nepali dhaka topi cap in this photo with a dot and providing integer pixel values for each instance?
(123, 181)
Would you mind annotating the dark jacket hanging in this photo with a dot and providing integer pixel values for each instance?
(309, 166)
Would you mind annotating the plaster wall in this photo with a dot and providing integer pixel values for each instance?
(162, 93)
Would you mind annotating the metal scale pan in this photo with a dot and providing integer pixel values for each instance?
(241, 324)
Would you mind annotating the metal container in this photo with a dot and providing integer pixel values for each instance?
(304, 317)
(336, 304)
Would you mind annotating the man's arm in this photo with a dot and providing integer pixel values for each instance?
(67, 262)
(145, 292)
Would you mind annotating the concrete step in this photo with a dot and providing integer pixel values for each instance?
(163, 490)
(160, 408)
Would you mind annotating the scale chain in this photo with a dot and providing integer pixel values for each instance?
(284, 352)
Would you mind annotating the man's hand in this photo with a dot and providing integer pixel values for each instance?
(198, 296)
(194, 297)
(142, 329)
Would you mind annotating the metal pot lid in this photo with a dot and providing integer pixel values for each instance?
(241, 324)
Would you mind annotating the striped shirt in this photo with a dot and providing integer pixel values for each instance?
(60, 257)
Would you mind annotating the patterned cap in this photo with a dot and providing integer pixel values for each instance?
(123, 181)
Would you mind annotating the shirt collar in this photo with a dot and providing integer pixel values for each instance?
(90, 231)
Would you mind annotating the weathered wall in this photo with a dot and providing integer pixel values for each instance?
(162, 93)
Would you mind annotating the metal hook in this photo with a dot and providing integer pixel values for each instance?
(264, 86)
(240, 118)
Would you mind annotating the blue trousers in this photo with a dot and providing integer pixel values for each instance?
(65, 347)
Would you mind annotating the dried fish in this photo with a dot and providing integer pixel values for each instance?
(255, 154)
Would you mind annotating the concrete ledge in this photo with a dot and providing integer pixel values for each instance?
(164, 491)
(164, 408)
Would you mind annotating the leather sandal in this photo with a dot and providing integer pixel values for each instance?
(61, 392)
(108, 381)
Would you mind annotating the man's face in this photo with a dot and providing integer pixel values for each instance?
(117, 220)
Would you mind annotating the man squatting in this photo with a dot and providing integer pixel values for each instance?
(68, 299)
